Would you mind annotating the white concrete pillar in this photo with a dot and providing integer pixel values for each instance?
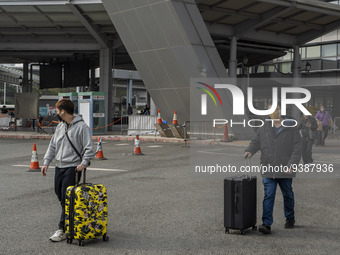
(233, 60)
(295, 112)
(153, 108)
(106, 77)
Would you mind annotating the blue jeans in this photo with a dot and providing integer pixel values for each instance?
(270, 185)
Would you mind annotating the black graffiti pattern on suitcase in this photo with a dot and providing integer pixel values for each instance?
(86, 212)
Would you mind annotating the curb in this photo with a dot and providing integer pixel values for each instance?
(121, 138)
(107, 138)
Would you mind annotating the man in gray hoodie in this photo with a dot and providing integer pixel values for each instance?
(67, 159)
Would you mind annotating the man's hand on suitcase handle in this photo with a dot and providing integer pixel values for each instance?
(80, 167)
(44, 170)
(247, 155)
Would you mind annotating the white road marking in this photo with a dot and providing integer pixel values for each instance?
(155, 146)
(90, 169)
(122, 144)
(222, 153)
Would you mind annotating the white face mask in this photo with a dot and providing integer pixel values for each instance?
(322, 109)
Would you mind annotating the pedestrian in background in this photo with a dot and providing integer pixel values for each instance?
(4, 110)
(146, 110)
(308, 128)
(130, 110)
(325, 120)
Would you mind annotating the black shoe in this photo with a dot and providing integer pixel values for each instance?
(290, 223)
(265, 229)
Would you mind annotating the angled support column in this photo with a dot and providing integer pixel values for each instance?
(170, 44)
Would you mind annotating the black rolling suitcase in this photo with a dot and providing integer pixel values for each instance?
(240, 203)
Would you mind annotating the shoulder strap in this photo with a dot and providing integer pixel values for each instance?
(323, 116)
(74, 148)
(68, 138)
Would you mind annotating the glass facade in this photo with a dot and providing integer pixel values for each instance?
(321, 57)
(313, 52)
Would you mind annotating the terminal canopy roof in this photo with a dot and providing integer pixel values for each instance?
(56, 30)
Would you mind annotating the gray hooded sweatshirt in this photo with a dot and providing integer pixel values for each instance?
(61, 149)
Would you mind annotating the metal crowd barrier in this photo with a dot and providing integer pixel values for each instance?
(335, 128)
(48, 125)
(139, 124)
(202, 130)
(6, 122)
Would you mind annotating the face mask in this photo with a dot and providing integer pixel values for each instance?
(59, 118)
(275, 115)
(322, 110)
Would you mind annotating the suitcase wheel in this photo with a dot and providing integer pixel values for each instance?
(242, 231)
(105, 238)
(254, 228)
(69, 240)
(227, 230)
(81, 243)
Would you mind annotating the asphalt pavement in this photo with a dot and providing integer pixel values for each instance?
(158, 205)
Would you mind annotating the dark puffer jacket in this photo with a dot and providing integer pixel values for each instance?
(285, 149)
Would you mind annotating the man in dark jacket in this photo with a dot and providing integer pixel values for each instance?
(280, 145)
(308, 128)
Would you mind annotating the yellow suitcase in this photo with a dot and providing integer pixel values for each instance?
(86, 212)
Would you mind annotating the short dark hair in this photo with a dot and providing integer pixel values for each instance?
(66, 105)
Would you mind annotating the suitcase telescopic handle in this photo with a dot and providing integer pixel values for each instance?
(236, 204)
(247, 163)
(84, 177)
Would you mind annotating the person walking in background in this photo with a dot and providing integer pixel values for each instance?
(4, 110)
(324, 118)
(146, 110)
(308, 128)
(71, 129)
(130, 111)
(280, 145)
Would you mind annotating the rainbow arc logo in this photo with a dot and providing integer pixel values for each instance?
(209, 93)
(204, 97)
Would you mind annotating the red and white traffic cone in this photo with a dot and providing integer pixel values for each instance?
(159, 119)
(34, 160)
(137, 151)
(100, 154)
(226, 135)
(174, 120)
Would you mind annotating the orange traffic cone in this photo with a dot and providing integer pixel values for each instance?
(99, 154)
(34, 161)
(226, 135)
(137, 151)
(174, 120)
(159, 119)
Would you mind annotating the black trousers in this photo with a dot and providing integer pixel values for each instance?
(325, 132)
(64, 177)
(307, 146)
(322, 136)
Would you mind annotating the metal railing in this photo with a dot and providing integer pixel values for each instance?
(139, 124)
(202, 130)
(335, 128)
(6, 122)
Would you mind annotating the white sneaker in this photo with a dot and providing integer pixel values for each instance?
(58, 236)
